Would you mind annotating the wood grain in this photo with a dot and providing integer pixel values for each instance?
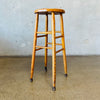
(49, 11)
(53, 52)
(46, 40)
(63, 44)
(34, 44)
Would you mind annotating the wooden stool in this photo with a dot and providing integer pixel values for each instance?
(53, 12)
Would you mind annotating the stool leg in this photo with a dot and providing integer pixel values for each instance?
(53, 53)
(34, 44)
(46, 41)
(63, 44)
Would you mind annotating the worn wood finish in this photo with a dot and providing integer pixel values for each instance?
(34, 44)
(63, 44)
(49, 11)
(46, 41)
(53, 52)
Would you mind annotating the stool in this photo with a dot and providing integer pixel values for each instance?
(53, 32)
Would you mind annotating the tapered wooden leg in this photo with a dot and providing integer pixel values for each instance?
(34, 48)
(53, 53)
(46, 41)
(63, 45)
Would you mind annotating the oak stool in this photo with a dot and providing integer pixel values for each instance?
(53, 32)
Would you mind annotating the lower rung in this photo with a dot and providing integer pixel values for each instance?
(38, 49)
(59, 36)
(49, 32)
(41, 36)
(43, 47)
(59, 50)
(56, 43)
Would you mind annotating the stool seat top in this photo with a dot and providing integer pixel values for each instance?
(49, 11)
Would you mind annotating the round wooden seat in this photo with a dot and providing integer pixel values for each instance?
(49, 11)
